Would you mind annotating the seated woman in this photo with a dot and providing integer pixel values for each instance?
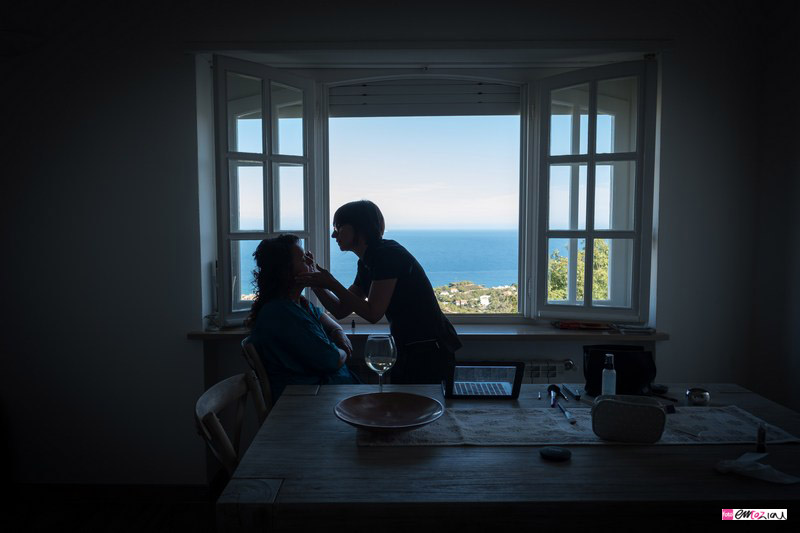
(297, 342)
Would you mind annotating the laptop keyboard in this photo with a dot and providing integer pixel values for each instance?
(480, 388)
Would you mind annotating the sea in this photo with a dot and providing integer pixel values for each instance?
(484, 257)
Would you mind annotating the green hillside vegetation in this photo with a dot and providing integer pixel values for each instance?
(557, 275)
(465, 297)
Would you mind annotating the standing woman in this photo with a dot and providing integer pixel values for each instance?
(389, 282)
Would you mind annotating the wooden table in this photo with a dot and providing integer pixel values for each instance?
(304, 470)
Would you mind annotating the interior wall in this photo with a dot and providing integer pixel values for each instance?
(708, 162)
(103, 225)
(101, 249)
(775, 366)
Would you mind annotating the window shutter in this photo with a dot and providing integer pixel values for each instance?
(418, 97)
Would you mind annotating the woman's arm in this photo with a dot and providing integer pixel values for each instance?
(326, 297)
(371, 309)
(374, 307)
(333, 304)
(308, 345)
(336, 334)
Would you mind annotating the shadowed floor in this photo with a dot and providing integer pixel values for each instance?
(108, 508)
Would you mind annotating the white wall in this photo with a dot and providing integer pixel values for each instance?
(102, 226)
(775, 365)
(707, 209)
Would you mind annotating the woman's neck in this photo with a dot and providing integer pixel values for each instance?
(360, 249)
(295, 294)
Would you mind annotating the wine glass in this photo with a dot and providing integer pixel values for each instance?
(380, 353)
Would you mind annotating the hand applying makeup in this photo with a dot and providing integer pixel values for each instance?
(317, 277)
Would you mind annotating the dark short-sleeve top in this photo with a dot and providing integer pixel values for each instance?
(413, 313)
(294, 348)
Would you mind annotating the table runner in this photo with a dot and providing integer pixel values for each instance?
(547, 426)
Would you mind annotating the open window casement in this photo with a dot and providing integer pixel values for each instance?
(596, 135)
(265, 170)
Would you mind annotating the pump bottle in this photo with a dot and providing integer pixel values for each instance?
(609, 385)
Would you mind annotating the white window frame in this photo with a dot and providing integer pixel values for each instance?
(232, 309)
(641, 234)
(534, 136)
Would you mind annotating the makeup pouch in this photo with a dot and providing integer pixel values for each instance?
(625, 418)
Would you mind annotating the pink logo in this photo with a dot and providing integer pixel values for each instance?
(727, 514)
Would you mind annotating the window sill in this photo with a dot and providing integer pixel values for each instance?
(478, 332)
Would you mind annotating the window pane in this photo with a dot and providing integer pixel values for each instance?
(247, 195)
(616, 115)
(569, 110)
(567, 195)
(287, 116)
(242, 266)
(448, 187)
(244, 114)
(565, 271)
(612, 272)
(614, 196)
(290, 209)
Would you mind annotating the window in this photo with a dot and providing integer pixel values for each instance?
(578, 196)
(441, 158)
(448, 187)
(593, 244)
(264, 149)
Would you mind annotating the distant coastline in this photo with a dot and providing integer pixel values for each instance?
(484, 257)
(462, 266)
(468, 297)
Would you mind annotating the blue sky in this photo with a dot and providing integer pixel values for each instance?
(456, 172)
(429, 172)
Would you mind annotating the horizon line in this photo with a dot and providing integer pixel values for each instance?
(453, 229)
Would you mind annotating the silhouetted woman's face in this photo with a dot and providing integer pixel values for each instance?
(345, 237)
(299, 264)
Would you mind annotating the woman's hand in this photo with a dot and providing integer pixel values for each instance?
(308, 259)
(319, 278)
(339, 338)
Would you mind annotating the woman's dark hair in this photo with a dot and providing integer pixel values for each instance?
(365, 217)
(271, 278)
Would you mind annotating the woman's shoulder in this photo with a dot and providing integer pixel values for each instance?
(273, 309)
(390, 248)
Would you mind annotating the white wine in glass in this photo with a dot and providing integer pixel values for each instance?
(380, 353)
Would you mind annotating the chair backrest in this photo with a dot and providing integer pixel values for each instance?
(235, 389)
(254, 361)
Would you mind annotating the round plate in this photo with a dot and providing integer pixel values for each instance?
(391, 411)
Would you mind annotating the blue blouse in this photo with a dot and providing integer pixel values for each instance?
(294, 348)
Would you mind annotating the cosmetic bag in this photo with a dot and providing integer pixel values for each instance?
(623, 418)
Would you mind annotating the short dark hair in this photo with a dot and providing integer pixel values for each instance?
(365, 217)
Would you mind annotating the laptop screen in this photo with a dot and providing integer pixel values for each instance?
(484, 379)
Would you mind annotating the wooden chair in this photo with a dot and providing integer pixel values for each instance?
(235, 389)
(254, 362)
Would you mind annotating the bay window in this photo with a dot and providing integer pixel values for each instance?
(560, 168)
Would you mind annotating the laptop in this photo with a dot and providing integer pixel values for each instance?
(488, 380)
